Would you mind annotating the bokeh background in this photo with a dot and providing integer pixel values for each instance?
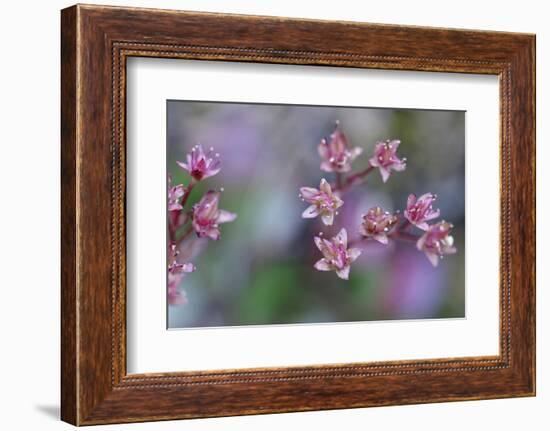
(261, 271)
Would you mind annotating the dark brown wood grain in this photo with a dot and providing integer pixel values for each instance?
(95, 42)
(68, 216)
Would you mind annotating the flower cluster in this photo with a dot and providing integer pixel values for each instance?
(203, 219)
(337, 156)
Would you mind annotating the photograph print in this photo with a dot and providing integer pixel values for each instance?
(294, 214)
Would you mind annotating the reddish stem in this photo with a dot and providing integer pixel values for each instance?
(398, 234)
(338, 180)
(174, 223)
(403, 236)
(354, 179)
(405, 225)
(171, 231)
(402, 232)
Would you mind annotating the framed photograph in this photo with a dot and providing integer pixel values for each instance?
(266, 215)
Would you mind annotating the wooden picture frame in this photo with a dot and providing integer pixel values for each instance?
(95, 43)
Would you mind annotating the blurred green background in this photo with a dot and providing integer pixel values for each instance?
(261, 271)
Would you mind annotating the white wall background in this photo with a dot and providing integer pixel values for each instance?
(29, 215)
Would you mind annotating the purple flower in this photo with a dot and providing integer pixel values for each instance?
(175, 193)
(176, 272)
(336, 154)
(323, 202)
(201, 165)
(420, 211)
(385, 158)
(436, 242)
(337, 256)
(207, 217)
(377, 223)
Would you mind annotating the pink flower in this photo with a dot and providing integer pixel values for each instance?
(201, 165)
(336, 154)
(436, 242)
(337, 256)
(207, 217)
(323, 202)
(175, 193)
(377, 223)
(385, 158)
(176, 272)
(420, 211)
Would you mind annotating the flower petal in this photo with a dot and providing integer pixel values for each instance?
(325, 246)
(343, 273)
(174, 207)
(381, 238)
(177, 191)
(176, 297)
(449, 240)
(384, 173)
(311, 211)
(322, 265)
(327, 167)
(212, 233)
(225, 216)
(374, 162)
(328, 218)
(183, 165)
(450, 250)
(188, 267)
(433, 214)
(319, 243)
(411, 200)
(426, 196)
(353, 254)
(211, 172)
(342, 237)
(398, 167)
(421, 241)
(355, 152)
(308, 193)
(324, 186)
(433, 258)
(323, 150)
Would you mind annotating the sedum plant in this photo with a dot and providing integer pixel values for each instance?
(203, 219)
(337, 157)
